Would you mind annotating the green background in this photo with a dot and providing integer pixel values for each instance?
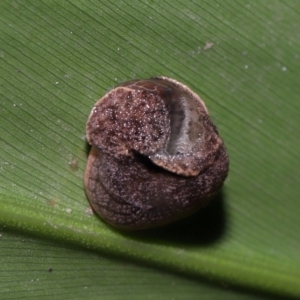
(57, 58)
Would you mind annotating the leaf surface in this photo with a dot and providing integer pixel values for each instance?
(58, 58)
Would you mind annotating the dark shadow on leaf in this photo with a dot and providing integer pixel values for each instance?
(205, 227)
(87, 149)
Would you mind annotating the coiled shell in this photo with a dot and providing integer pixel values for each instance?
(156, 156)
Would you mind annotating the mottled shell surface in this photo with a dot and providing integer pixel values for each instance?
(156, 156)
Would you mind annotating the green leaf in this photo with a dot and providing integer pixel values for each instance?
(57, 58)
(36, 268)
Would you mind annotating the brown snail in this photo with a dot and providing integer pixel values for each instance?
(156, 156)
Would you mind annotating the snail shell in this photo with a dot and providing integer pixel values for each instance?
(156, 156)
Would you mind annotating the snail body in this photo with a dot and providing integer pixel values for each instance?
(156, 156)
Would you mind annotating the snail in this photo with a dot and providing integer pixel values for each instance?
(156, 156)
